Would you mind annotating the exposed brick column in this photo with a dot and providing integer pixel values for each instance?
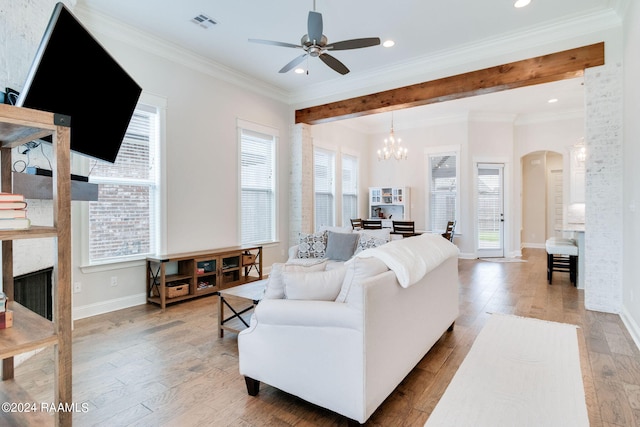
(301, 182)
(604, 181)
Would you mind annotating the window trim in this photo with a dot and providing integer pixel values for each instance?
(333, 152)
(275, 133)
(347, 221)
(81, 209)
(441, 151)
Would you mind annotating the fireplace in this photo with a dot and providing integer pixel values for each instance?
(33, 291)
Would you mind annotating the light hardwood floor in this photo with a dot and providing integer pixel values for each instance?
(143, 367)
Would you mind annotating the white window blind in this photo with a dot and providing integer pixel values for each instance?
(443, 188)
(324, 173)
(122, 223)
(349, 188)
(257, 199)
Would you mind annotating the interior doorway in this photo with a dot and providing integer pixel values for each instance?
(490, 203)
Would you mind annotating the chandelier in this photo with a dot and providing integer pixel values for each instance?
(392, 147)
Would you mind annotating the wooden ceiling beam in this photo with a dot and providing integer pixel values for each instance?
(542, 69)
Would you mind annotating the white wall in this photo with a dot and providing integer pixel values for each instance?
(200, 151)
(631, 196)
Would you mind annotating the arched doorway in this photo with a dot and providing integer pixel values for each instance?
(543, 197)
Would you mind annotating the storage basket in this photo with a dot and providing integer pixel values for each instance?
(248, 259)
(177, 290)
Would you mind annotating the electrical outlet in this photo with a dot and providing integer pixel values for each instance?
(114, 280)
(77, 287)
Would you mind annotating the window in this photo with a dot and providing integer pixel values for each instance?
(257, 184)
(323, 184)
(122, 223)
(349, 188)
(443, 201)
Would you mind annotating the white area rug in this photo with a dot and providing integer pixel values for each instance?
(519, 372)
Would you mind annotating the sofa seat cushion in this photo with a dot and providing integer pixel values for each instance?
(315, 285)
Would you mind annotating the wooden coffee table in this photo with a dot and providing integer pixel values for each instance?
(238, 296)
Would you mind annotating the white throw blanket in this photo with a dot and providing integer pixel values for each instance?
(413, 257)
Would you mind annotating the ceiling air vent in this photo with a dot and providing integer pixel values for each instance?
(204, 21)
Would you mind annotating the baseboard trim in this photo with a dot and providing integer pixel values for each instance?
(89, 310)
(632, 326)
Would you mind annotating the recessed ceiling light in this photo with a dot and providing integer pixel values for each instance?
(388, 43)
(552, 100)
(521, 3)
(299, 70)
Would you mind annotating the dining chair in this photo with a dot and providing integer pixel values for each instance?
(405, 228)
(356, 223)
(371, 224)
(448, 234)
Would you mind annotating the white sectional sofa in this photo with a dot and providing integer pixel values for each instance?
(349, 354)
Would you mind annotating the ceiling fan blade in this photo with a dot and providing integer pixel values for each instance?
(272, 43)
(334, 63)
(314, 27)
(293, 63)
(354, 44)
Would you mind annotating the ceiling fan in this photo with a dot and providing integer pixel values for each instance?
(314, 44)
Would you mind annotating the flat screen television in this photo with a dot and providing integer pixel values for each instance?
(73, 74)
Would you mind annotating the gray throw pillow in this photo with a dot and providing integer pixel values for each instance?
(341, 246)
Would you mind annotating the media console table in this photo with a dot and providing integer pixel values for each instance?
(178, 277)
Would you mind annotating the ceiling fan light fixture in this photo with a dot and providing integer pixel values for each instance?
(521, 3)
(388, 43)
(299, 71)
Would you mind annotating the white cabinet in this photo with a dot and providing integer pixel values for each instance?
(389, 203)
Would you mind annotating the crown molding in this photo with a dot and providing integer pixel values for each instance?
(101, 24)
(537, 40)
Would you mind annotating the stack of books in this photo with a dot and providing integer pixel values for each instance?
(13, 212)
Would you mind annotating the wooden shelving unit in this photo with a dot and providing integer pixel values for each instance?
(201, 273)
(30, 331)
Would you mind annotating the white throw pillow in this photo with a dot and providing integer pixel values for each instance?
(275, 284)
(359, 269)
(317, 285)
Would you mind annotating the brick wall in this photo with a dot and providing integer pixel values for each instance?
(604, 185)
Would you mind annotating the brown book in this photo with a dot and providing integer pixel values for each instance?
(6, 319)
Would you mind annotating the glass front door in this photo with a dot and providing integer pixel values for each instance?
(490, 203)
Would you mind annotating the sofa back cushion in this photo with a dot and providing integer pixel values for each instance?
(275, 284)
(359, 269)
(315, 285)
